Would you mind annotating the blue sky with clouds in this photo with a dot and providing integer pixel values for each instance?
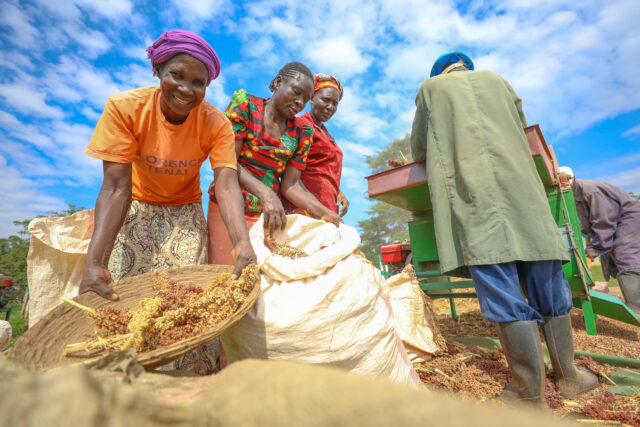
(573, 63)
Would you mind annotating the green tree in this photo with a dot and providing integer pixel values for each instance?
(634, 195)
(386, 223)
(14, 250)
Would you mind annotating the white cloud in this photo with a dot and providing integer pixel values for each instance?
(338, 54)
(632, 132)
(28, 100)
(361, 121)
(21, 198)
(97, 84)
(216, 94)
(63, 8)
(197, 12)
(24, 132)
(351, 148)
(94, 43)
(136, 75)
(90, 114)
(628, 180)
(353, 179)
(16, 61)
(137, 52)
(110, 9)
(24, 33)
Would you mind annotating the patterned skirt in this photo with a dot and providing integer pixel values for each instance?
(156, 237)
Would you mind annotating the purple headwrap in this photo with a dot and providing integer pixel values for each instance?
(174, 42)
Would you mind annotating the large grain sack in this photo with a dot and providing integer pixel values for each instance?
(75, 396)
(5, 334)
(328, 307)
(413, 316)
(57, 251)
(280, 393)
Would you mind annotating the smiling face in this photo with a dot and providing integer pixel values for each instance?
(291, 94)
(183, 82)
(324, 104)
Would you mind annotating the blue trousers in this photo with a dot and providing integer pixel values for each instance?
(499, 290)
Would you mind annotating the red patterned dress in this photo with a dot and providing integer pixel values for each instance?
(324, 165)
(263, 156)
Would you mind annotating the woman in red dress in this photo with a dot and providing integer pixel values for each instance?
(324, 161)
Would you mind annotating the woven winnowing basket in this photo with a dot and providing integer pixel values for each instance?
(42, 345)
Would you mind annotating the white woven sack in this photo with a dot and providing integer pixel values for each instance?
(5, 334)
(57, 251)
(326, 308)
(411, 315)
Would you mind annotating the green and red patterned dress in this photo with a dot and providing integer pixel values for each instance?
(263, 156)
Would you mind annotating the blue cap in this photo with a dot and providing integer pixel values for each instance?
(447, 59)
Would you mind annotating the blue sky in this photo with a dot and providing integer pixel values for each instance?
(573, 63)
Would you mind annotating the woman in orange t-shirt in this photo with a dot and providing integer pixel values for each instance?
(152, 142)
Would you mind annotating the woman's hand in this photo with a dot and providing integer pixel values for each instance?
(273, 211)
(332, 217)
(591, 254)
(112, 206)
(243, 255)
(343, 202)
(96, 279)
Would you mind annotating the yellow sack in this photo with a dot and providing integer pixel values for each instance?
(413, 315)
(327, 308)
(57, 251)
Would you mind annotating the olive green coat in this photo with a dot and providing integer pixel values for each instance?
(489, 205)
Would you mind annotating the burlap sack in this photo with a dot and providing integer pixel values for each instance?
(57, 252)
(248, 393)
(327, 308)
(281, 393)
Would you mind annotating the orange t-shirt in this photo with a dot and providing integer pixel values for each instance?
(166, 158)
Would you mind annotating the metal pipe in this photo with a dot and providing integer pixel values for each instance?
(609, 359)
(432, 273)
(491, 343)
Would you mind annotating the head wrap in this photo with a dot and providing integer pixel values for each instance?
(450, 58)
(325, 80)
(174, 42)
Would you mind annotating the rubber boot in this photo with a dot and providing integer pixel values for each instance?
(523, 350)
(570, 380)
(630, 286)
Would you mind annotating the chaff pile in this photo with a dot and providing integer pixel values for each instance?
(472, 371)
(175, 313)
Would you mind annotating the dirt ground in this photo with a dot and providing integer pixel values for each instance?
(477, 373)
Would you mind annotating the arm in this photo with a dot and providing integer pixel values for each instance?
(419, 131)
(231, 206)
(272, 209)
(293, 191)
(343, 202)
(603, 221)
(112, 206)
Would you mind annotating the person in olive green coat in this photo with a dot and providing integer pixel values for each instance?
(492, 219)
